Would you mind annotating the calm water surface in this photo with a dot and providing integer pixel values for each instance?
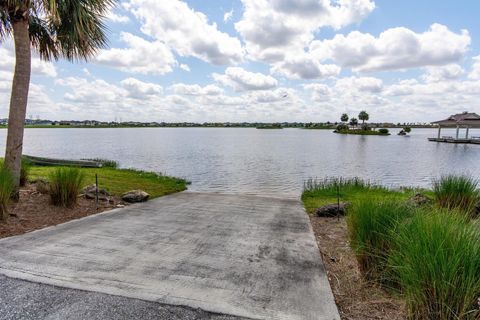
(270, 162)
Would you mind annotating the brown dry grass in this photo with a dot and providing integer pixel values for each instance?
(355, 297)
(33, 211)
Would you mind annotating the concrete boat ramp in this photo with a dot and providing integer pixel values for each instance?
(183, 256)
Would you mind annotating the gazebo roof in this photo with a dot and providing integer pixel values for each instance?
(461, 119)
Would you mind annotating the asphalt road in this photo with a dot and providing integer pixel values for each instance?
(23, 300)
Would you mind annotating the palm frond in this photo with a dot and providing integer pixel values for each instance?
(5, 25)
(72, 29)
(78, 26)
(42, 38)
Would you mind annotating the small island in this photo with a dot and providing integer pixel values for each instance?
(345, 127)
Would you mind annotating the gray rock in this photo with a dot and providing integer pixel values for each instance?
(42, 186)
(135, 196)
(419, 199)
(332, 210)
(90, 193)
(89, 188)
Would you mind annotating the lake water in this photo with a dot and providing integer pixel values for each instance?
(270, 162)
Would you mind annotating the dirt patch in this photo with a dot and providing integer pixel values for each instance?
(355, 297)
(33, 211)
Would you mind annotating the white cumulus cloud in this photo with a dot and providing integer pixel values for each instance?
(196, 90)
(140, 56)
(242, 80)
(305, 67)
(186, 31)
(394, 49)
(228, 16)
(273, 28)
(140, 89)
(443, 73)
(39, 67)
(475, 72)
(185, 67)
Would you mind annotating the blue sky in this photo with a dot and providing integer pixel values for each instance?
(267, 60)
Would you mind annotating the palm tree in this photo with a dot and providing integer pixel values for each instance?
(353, 122)
(71, 29)
(344, 117)
(363, 115)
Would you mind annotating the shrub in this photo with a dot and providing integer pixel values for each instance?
(453, 191)
(407, 129)
(24, 172)
(6, 188)
(342, 127)
(383, 131)
(65, 185)
(366, 127)
(371, 225)
(436, 261)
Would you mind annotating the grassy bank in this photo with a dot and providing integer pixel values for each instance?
(426, 252)
(41, 205)
(119, 181)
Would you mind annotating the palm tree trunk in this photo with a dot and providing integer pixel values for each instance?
(18, 100)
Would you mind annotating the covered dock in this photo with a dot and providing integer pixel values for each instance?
(466, 121)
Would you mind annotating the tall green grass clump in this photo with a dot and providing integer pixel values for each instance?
(65, 185)
(24, 172)
(328, 187)
(456, 192)
(319, 192)
(371, 225)
(436, 261)
(6, 188)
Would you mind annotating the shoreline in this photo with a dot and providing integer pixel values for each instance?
(199, 127)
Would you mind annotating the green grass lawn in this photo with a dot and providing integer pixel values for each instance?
(322, 192)
(119, 181)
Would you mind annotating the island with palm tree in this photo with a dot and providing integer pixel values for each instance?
(351, 127)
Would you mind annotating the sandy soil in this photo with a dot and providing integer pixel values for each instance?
(34, 211)
(355, 297)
